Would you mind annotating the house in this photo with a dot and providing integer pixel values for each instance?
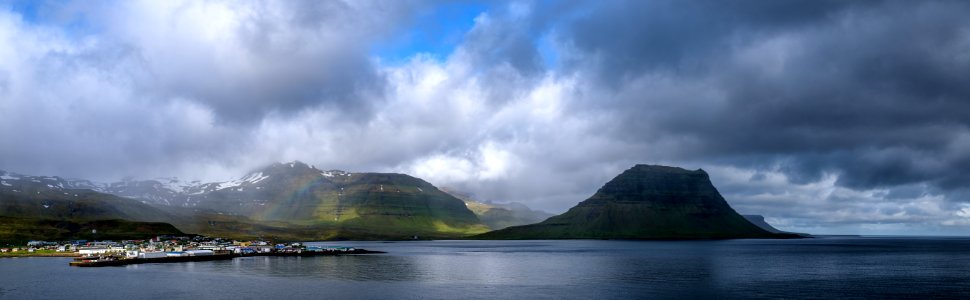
(212, 247)
(92, 250)
(152, 254)
(199, 252)
(244, 250)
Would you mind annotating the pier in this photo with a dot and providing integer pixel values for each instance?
(108, 261)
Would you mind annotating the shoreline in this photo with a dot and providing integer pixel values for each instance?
(99, 262)
(70, 254)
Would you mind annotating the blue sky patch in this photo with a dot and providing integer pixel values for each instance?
(436, 32)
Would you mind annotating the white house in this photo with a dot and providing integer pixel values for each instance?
(199, 252)
(92, 250)
(152, 255)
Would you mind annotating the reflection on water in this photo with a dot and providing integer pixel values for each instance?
(811, 268)
(356, 268)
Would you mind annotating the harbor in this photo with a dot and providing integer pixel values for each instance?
(207, 255)
(170, 249)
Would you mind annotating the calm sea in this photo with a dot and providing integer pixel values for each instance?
(822, 268)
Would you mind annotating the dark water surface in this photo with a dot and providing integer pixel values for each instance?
(822, 268)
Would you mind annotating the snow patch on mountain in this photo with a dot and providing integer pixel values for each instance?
(253, 178)
(174, 184)
(333, 173)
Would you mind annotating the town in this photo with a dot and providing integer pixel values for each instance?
(168, 249)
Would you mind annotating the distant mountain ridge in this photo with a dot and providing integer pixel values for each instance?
(53, 197)
(53, 207)
(293, 201)
(646, 202)
(296, 201)
(499, 216)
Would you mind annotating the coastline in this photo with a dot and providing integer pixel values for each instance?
(110, 262)
(59, 254)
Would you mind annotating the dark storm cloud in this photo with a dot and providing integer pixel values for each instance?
(627, 38)
(875, 91)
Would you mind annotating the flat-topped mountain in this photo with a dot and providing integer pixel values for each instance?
(646, 202)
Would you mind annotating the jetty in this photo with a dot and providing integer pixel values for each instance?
(110, 260)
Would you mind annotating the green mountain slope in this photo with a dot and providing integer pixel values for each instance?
(291, 201)
(17, 231)
(646, 202)
(30, 209)
(301, 202)
(74, 205)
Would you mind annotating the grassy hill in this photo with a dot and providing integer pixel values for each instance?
(297, 201)
(17, 231)
(75, 205)
(35, 211)
(291, 201)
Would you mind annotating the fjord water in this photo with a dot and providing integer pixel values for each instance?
(583, 269)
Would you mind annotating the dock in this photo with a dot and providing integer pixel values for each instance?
(110, 261)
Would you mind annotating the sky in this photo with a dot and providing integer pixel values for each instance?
(841, 117)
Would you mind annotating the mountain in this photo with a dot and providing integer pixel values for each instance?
(54, 207)
(18, 231)
(161, 191)
(283, 200)
(646, 202)
(352, 205)
(499, 216)
(55, 198)
(298, 201)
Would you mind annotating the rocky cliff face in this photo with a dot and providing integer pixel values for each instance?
(646, 202)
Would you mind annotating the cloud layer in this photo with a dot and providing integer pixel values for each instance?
(825, 116)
